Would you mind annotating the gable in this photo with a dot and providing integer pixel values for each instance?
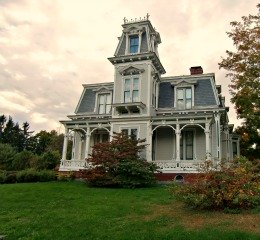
(131, 71)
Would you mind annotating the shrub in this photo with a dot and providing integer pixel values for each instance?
(23, 160)
(32, 175)
(66, 176)
(118, 164)
(48, 160)
(3, 176)
(10, 177)
(231, 186)
(7, 153)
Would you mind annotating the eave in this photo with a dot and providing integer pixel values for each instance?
(139, 57)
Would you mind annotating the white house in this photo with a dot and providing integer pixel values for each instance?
(183, 118)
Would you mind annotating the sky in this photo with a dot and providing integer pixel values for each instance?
(49, 48)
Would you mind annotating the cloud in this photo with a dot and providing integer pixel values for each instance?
(48, 49)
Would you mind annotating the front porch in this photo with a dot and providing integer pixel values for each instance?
(175, 146)
(165, 166)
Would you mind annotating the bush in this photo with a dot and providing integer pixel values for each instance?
(68, 176)
(118, 164)
(230, 186)
(3, 176)
(7, 153)
(24, 160)
(48, 160)
(32, 175)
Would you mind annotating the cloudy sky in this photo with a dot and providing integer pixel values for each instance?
(49, 48)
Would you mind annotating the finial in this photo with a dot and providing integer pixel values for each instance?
(125, 20)
(147, 16)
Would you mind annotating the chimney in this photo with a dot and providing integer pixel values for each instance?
(196, 70)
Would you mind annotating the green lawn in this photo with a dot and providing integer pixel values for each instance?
(60, 210)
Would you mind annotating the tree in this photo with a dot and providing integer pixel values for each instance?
(119, 164)
(2, 123)
(243, 66)
(48, 141)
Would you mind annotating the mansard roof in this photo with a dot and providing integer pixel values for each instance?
(88, 97)
(205, 92)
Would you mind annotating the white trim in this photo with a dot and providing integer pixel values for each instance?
(149, 90)
(96, 110)
(215, 91)
(131, 77)
(186, 85)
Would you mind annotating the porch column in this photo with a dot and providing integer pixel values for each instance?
(207, 141)
(80, 147)
(65, 144)
(217, 121)
(178, 136)
(87, 142)
(111, 133)
(73, 145)
(149, 142)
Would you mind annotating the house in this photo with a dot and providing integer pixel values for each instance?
(183, 118)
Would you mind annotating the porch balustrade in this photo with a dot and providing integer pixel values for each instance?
(164, 165)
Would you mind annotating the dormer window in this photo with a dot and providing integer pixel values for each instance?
(134, 43)
(184, 98)
(104, 103)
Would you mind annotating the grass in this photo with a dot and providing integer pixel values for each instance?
(70, 210)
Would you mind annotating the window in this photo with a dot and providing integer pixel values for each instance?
(100, 137)
(131, 90)
(134, 44)
(184, 98)
(131, 132)
(186, 145)
(104, 103)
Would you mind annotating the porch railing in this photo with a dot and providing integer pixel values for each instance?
(164, 165)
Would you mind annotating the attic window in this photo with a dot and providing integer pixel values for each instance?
(134, 43)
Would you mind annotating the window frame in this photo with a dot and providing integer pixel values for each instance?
(183, 87)
(131, 88)
(98, 95)
(183, 145)
(129, 129)
(135, 46)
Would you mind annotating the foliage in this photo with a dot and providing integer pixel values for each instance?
(48, 141)
(7, 154)
(23, 160)
(27, 175)
(244, 72)
(118, 163)
(249, 142)
(232, 186)
(68, 176)
(32, 175)
(48, 160)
